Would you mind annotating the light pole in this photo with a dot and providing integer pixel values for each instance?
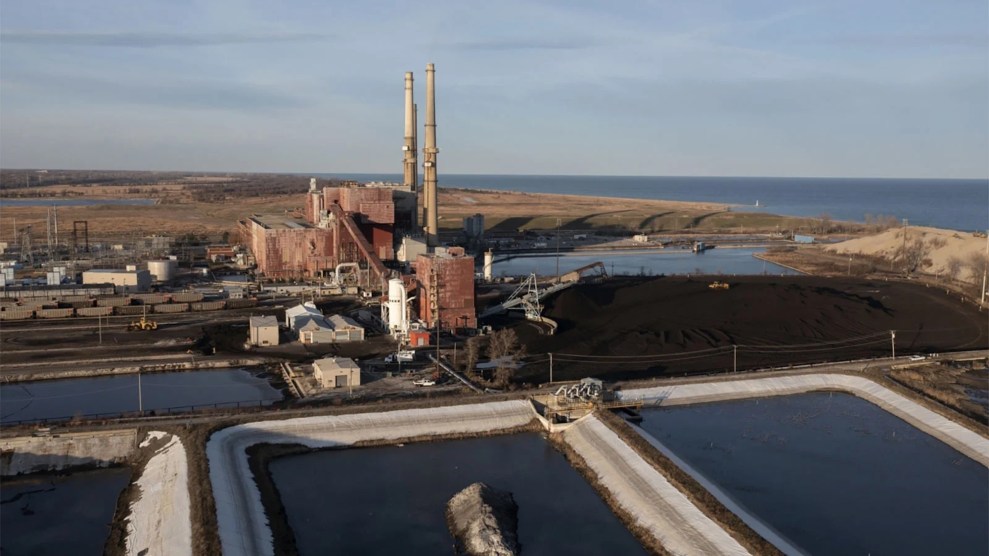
(557, 250)
(892, 341)
(734, 358)
(140, 397)
(849, 265)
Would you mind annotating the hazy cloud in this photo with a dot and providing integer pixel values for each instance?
(150, 40)
(527, 44)
(909, 40)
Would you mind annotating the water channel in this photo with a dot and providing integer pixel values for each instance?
(834, 474)
(114, 395)
(648, 263)
(45, 515)
(391, 500)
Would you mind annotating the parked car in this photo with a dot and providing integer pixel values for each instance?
(424, 382)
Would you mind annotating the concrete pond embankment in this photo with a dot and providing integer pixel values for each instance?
(46, 452)
(84, 369)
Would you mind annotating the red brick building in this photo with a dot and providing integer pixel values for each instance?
(446, 288)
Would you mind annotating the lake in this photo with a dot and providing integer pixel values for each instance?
(646, 263)
(113, 395)
(392, 500)
(834, 474)
(44, 515)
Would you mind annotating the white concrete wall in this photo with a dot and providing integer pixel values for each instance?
(963, 439)
(645, 494)
(243, 526)
(33, 454)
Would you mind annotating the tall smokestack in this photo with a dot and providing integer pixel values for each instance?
(429, 162)
(410, 161)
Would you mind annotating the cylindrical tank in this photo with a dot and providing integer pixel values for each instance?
(488, 264)
(162, 271)
(396, 305)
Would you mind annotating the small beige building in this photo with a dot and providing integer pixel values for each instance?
(336, 372)
(263, 331)
(122, 280)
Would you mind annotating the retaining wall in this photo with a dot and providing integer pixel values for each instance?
(33, 454)
(242, 524)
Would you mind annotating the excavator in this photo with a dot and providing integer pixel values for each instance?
(144, 323)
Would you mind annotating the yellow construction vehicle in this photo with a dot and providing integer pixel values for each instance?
(143, 324)
(718, 285)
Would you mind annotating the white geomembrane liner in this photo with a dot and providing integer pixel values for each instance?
(160, 520)
(243, 527)
(959, 437)
(646, 495)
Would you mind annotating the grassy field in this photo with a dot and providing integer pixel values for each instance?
(212, 204)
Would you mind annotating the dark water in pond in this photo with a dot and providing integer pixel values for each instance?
(113, 395)
(56, 515)
(392, 500)
(672, 261)
(835, 474)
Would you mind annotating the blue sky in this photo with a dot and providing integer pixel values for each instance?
(880, 88)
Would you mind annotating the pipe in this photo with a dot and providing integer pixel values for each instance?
(429, 163)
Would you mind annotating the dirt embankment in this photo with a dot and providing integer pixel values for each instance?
(647, 327)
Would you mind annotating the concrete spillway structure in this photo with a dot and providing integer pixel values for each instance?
(410, 158)
(429, 161)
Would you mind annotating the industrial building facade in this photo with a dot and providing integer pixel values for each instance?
(263, 331)
(350, 224)
(446, 289)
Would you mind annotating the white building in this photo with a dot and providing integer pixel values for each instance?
(310, 326)
(305, 310)
(263, 331)
(336, 372)
(122, 280)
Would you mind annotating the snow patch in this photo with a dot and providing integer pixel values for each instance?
(159, 520)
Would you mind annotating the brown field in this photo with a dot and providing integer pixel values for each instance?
(212, 204)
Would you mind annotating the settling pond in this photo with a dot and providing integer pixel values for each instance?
(647, 263)
(115, 395)
(46, 514)
(834, 474)
(392, 500)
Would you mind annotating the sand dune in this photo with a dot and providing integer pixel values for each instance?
(943, 244)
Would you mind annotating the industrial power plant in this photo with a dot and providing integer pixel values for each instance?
(370, 237)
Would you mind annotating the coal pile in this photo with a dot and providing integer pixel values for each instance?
(645, 327)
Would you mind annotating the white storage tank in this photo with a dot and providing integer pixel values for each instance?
(488, 265)
(162, 271)
(396, 306)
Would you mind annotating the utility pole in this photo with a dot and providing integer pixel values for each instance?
(99, 324)
(849, 265)
(985, 270)
(734, 358)
(551, 368)
(892, 341)
(140, 398)
(558, 250)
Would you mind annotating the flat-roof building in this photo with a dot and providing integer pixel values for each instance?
(122, 280)
(336, 372)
